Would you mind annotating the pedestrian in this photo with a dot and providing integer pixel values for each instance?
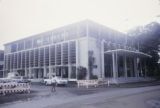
(53, 85)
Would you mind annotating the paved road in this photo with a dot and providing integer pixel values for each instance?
(144, 97)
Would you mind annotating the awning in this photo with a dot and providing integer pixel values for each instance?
(128, 52)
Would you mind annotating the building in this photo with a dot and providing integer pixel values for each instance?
(1, 62)
(99, 50)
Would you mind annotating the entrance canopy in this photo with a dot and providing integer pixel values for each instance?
(127, 52)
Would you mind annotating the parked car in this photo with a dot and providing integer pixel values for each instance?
(20, 79)
(5, 80)
(15, 78)
(59, 80)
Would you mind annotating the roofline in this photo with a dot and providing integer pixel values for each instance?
(37, 34)
(62, 27)
(137, 52)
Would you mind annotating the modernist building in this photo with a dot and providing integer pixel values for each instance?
(103, 52)
(1, 62)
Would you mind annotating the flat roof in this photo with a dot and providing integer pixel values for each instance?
(85, 22)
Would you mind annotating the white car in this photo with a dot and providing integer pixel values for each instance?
(59, 81)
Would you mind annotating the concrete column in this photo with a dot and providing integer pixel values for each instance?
(87, 33)
(30, 73)
(50, 71)
(44, 72)
(69, 66)
(102, 59)
(49, 67)
(138, 68)
(49, 55)
(145, 69)
(141, 73)
(130, 66)
(125, 66)
(77, 61)
(135, 67)
(25, 72)
(61, 55)
(114, 65)
(39, 72)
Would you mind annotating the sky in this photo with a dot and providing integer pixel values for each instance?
(23, 18)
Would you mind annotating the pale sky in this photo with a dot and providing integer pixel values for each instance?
(22, 18)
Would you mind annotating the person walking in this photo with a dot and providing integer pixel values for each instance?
(53, 84)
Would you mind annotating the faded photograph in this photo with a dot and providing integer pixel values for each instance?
(79, 53)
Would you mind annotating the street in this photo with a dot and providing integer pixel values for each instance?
(130, 98)
(68, 97)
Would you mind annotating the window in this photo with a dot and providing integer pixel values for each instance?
(52, 55)
(36, 57)
(28, 44)
(72, 48)
(58, 37)
(27, 59)
(31, 58)
(65, 53)
(73, 72)
(47, 56)
(37, 42)
(19, 60)
(21, 46)
(58, 54)
(15, 61)
(8, 61)
(14, 47)
(23, 59)
(12, 58)
(46, 39)
(41, 56)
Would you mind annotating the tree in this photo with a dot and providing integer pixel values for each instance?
(149, 39)
(91, 65)
(82, 72)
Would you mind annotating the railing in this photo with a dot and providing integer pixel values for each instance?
(95, 83)
(6, 88)
(87, 83)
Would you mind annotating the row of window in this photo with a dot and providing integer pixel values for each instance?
(60, 54)
(49, 38)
